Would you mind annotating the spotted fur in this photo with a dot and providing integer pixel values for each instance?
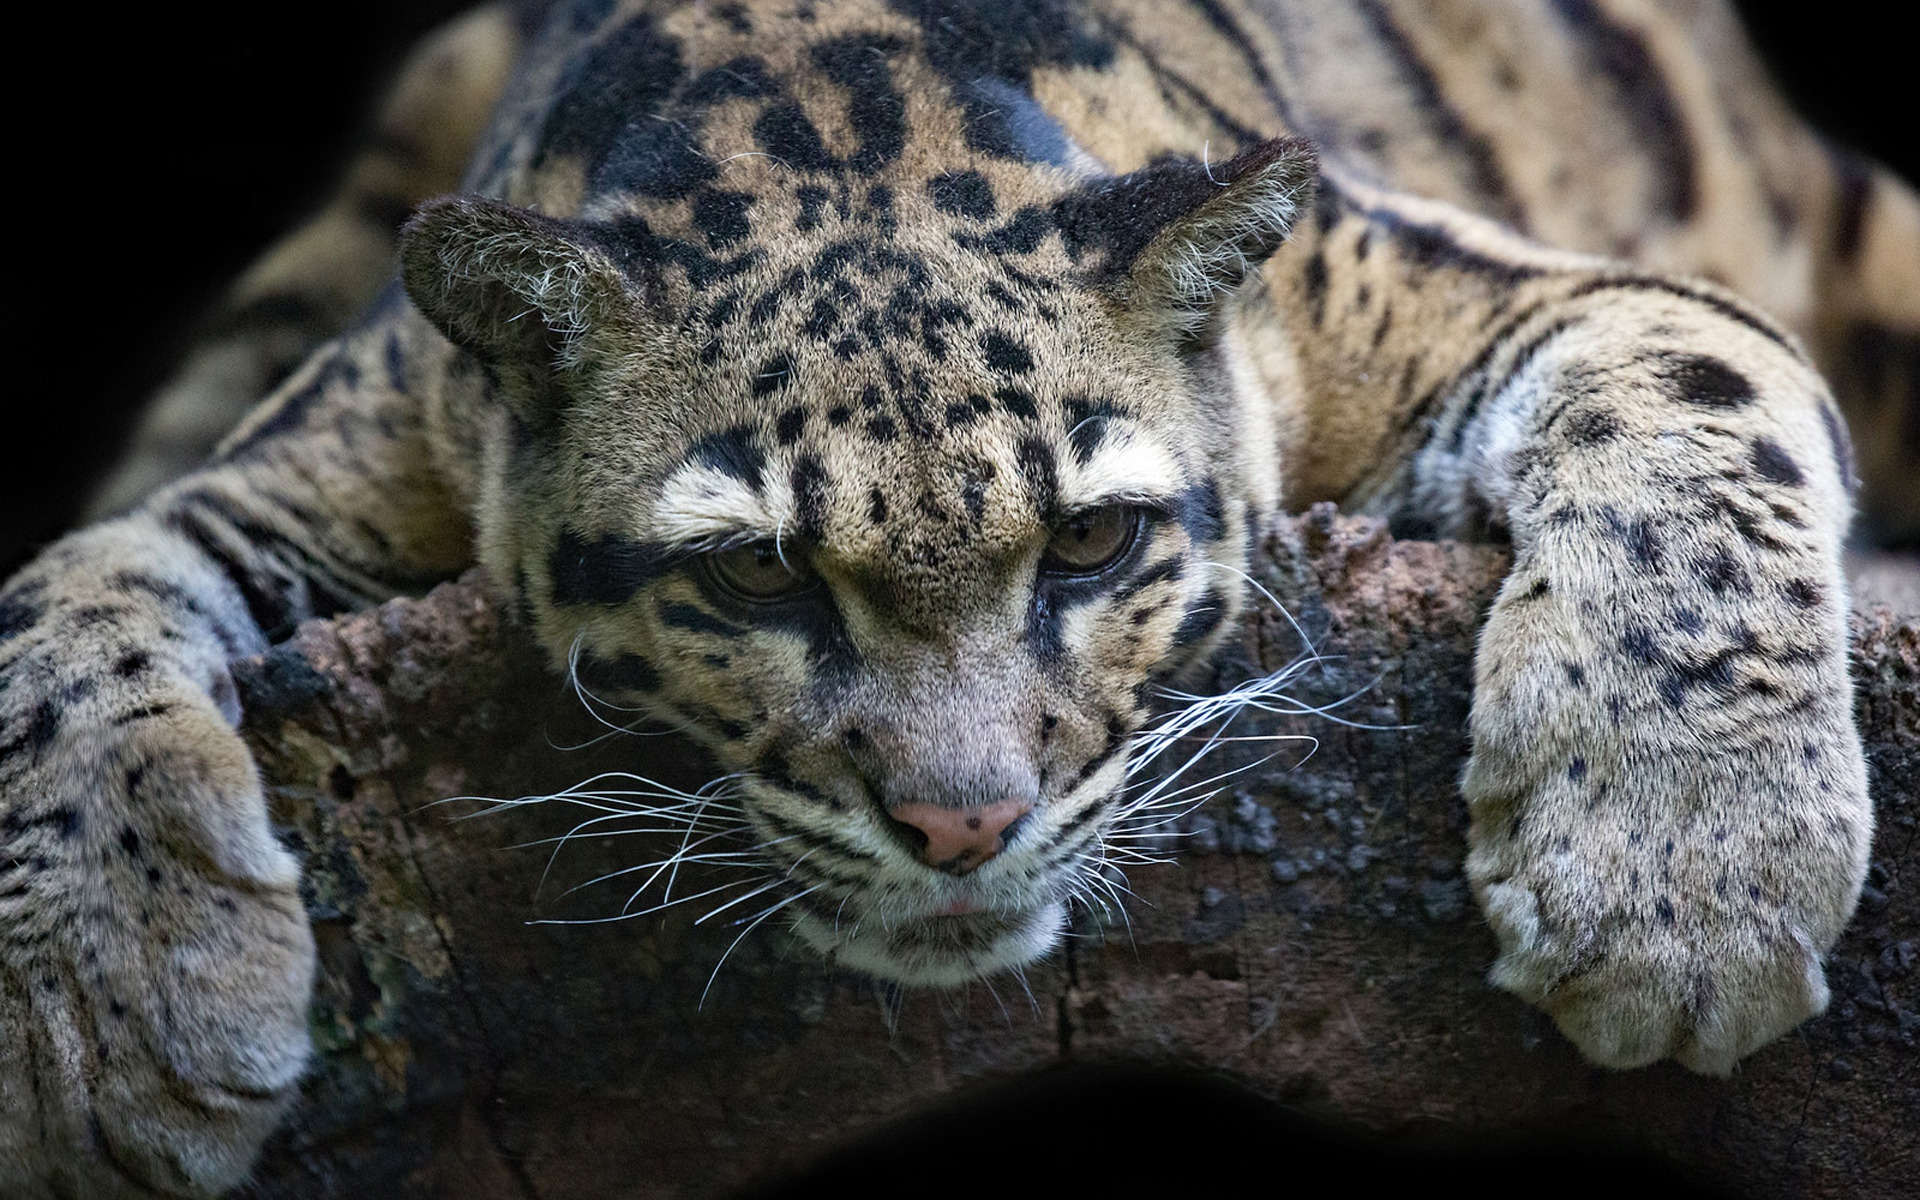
(902, 297)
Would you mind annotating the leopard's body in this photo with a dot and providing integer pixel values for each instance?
(889, 393)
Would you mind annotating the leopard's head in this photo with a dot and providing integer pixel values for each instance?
(900, 494)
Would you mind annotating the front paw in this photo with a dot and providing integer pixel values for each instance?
(1668, 830)
(155, 959)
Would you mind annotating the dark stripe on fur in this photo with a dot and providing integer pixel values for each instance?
(1484, 173)
(1653, 117)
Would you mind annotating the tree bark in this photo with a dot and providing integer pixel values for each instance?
(1315, 940)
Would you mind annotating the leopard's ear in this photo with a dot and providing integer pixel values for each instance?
(532, 296)
(1171, 240)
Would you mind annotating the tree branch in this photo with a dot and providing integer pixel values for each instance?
(1315, 940)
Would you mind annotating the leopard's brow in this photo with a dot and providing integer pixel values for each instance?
(1126, 467)
(705, 505)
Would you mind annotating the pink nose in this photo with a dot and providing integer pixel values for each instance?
(960, 839)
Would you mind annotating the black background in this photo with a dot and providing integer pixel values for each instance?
(157, 149)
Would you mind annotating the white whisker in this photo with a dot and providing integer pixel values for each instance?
(743, 934)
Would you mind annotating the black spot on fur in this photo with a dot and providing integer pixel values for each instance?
(882, 429)
(607, 570)
(608, 91)
(1577, 769)
(1774, 464)
(1040, 472)
(784, 131)
(1803, 593)
(1201, 619)
(1719, 571)
(875, 109)
(736, 452)
(131, 663)
(1006, 39)
(42, 724)
(809, 482)
(1004, 353)
(1592, 427)
(1637, 536)
(1639, 644)
(877, 506)
(1542, 588)
(20, 612)
(1747, 524)
(1021, 233)
(791, 424)
(1576, 674)
(1663, 908)
(1018, 401)
(722, 216)
(774, 374)
(628, 672)
(1314, 279)
(638, 251)
(1702, 379)
(694, 619)
(962, 193)
(1202, 513)
(813, 200)
(1714, 672)
(1087, 422)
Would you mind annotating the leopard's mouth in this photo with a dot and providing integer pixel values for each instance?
(941, 949)
(911, 923)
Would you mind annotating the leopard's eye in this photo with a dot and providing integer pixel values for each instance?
(1090, 541)
(759, 572)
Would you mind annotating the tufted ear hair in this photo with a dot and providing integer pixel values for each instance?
(1174, 238)
(521, 291)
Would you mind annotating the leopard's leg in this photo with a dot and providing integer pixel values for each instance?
(1669, 820)
(155, 959)
(310, 284)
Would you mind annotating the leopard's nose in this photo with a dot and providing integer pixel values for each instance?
(958, 840)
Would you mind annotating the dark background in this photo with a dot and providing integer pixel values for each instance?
(154, 151)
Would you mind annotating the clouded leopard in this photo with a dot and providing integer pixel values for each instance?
(890, 392)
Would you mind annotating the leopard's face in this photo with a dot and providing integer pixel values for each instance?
(899, 494)
(906, 552)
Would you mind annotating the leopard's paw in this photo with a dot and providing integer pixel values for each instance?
(155, 958)
(1664, 844)
(1695, 987)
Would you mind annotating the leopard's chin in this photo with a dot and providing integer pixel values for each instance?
(938, 951)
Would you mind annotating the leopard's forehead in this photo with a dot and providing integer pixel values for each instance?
(904, 392)
(624, 103)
